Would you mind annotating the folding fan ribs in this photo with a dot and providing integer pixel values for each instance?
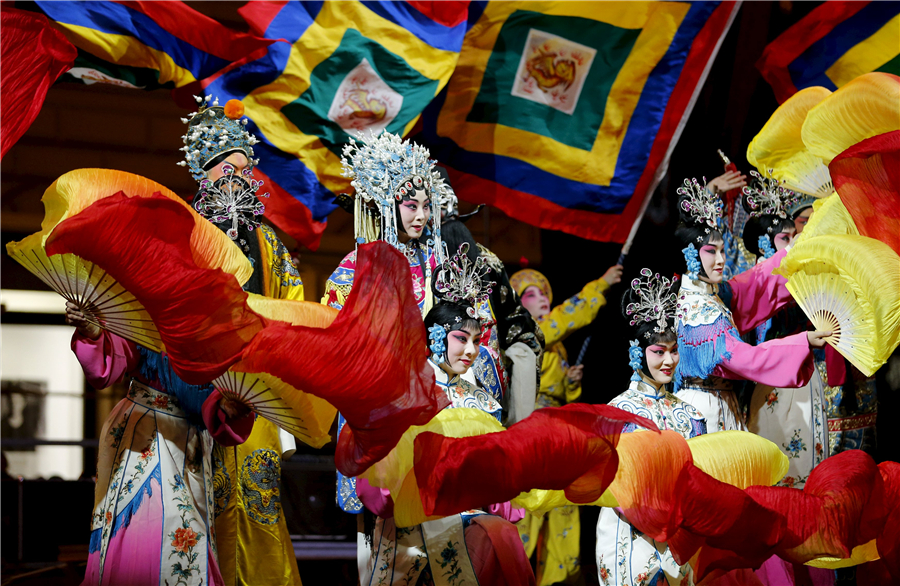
(102, 298)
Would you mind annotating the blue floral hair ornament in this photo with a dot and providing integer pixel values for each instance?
(437, 334)
(692, 259)
(765, 246)
(635, 353)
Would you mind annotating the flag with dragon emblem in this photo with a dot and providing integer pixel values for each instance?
(336, 68)
(564, 114)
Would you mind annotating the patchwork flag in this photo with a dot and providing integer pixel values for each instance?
(337, 68)
(564, 114)
(147, 44)
(833, 44)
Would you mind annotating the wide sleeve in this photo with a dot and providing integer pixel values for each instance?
(282, 280)
(107, 359)
(574, 313)
(223, 429)
(756, 295)
(782, 363)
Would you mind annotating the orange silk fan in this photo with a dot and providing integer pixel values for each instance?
(103, 300)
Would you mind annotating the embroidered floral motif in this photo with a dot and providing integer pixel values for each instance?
(602, 571)
(260, 475)
(772, 401)
(450, 561)
(184, 539)
(117, 433)
(795, 445)
(140, 468)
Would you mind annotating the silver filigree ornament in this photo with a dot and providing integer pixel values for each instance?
(766, 196)
(461, 281)
(384, 169)
(655, 301)
(211, 133)
(700, 203)
(232, 197)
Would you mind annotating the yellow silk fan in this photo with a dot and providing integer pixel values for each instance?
(305, 416)
(865, 107)
(848, 284)
(101, 298)
(829, 217)
(779, 146)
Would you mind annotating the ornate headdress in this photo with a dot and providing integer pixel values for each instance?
(700, 204)
(212, 131)
(766, 196)
(525, 278)
(797, 202)
(384, 169)
(461, 281)
(656, 301)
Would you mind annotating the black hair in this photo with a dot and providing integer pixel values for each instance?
(640, 331)
(221, 157)
(689, 232)
(454, 233)
(765, 225)
(447, 313)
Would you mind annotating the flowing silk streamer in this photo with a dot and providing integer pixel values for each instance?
(867, 179)
(370, 363)
(145, 243)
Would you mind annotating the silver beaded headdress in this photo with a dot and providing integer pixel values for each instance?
(655, 301)
(232, 197)
(214, 130)
(700, 204)
(383, 170)
(766, 196)
(461, 281)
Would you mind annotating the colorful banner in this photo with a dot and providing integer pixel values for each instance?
(167, 41)
(338, 68)
(833, 44)
(564, 114)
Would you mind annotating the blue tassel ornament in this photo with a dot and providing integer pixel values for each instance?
(155, 367)
(702, 348)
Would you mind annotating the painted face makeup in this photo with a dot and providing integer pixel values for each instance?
(534, 300)
(237, 160)
(802, 219)
(662, 358)
(713, 260)
(415, 213)
(782, 239)
(462, 350)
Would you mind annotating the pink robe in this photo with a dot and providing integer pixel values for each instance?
(712, 353)
(153, 521)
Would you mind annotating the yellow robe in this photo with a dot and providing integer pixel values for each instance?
(557, 534)
(252, 539)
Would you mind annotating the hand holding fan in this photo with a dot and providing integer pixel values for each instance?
(847, 284)
(104, 301)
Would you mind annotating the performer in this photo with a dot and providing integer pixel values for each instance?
(556, 535)
(512, 345)
(254, 544)
(713, 312)
(793, 419)
(396, 189)
(624, 554)
(469, 548)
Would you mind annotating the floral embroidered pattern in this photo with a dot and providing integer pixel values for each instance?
(772, 401)
(602, 571)
(140, 468)
(449, 561)
(795, 445)
(116, 433)
(184, 539)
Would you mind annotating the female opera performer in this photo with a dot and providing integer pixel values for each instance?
(792, 418)
(559, 531)
(712, 313)
(156, 497)
(624, 554)
(475, 547)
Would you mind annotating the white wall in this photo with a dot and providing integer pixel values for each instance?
(41, 353)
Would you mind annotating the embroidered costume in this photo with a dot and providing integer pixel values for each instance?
(560, 529)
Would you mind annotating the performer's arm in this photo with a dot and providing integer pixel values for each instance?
(574, 313)
(757, 294)
(784, 363)
(106, 359)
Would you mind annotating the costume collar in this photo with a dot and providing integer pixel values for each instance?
(696, 286)
(647, 389)
(441, 377)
